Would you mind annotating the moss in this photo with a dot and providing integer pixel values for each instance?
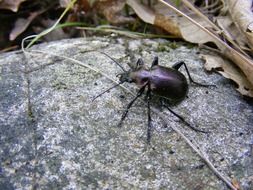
(59, 86)
(162, 48)
(174, 45)
(167, 46)
(31, 117)
(190, 45)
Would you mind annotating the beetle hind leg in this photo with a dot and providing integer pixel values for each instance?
(182, 119)
(177, 65)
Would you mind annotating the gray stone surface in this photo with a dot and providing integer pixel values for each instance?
(54, 137)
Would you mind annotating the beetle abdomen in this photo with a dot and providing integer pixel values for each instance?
(168, 82)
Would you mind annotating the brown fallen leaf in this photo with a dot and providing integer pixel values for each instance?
(180, 27)
(228, 27)
(64, 3)
(156, 17)
(55, 34)
(111, 10)
(12, 5)
(21, 25)
(235, 183)
(242, 15)
(243, 62)
(228, 70)
(193, 33)
(145, 13)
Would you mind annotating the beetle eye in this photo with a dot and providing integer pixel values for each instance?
(145, 79)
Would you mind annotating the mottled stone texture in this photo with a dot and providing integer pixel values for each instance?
(53, 136)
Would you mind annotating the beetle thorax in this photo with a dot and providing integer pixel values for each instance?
(140, 77)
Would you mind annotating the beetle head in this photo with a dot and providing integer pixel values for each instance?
(132, 74)
(125, 77)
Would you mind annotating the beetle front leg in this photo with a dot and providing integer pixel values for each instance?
(179, 64)
(139, 63)
(140, 92)
(155, 61)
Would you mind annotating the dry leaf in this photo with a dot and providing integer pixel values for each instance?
(241, 13)
(178, 26)
(145, 13)
(91, 2)
(228, 70)
(236, 183)
(229, 28)
(12, 5)
(54, 35)
(193, 33)
(243, 62)
(111, 10)
(155, 17)
(181, 26)
(64, 3)
(21, 24)
(168, 25)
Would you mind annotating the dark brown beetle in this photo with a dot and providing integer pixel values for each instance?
(165, 82)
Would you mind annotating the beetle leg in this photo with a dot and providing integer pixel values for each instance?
(139, 63)
(149, 115)
(179, 64)
(182, 119)
(140, 92)
(155, 61)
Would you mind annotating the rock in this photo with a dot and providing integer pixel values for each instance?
(53, 136)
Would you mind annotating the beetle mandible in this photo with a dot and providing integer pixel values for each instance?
(166, 82)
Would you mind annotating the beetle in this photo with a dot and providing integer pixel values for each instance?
(165, 82)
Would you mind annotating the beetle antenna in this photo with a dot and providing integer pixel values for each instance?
(114, 86)
(112, 60)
